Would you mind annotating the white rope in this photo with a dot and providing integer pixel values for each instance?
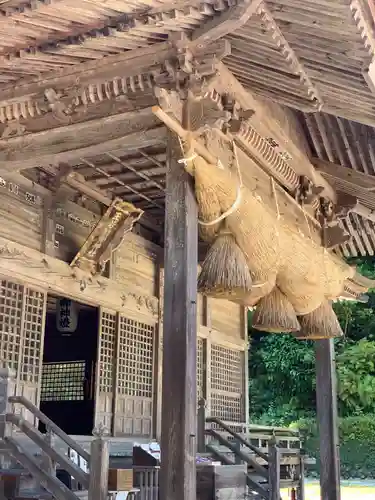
(233, 208)
(186, 160)
(307, 222)
(274, 193)
(259, 285)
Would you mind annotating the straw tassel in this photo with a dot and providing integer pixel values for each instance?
(320, 324)
(225, 270)
(274, 313)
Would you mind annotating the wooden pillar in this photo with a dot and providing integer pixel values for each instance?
(246, 399)
(326, 402)
(274, 469)
(99, 466)
(179, 399)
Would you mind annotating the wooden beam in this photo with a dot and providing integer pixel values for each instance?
(80, 135)
(326, 402)
(77, 109)
(346, 174)
(20, 263)
(132, 63)
(14, 161)
(223, 24)
(127, 63)
(179, 418)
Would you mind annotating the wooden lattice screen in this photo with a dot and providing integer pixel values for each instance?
(135, 378)
(22, 321)
(11, 305)
(105, 374)
(227, 384)
(200, 368)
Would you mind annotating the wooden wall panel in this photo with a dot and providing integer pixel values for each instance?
(73, 224)
(136, 264)
(21, 213)
(226, 317)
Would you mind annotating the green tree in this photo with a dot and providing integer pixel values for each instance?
(356, 378)
(282, 371)
(282, 377)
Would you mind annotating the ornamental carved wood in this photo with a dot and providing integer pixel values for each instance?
(106, 237)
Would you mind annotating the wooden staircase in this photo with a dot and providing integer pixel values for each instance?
(274, 456)
(25, 474)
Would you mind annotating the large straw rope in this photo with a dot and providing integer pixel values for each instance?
(275, 252)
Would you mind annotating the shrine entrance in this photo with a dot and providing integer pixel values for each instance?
(67, 393)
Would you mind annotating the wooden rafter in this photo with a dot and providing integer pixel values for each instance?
(225, 23)
(289, 54)
(349, 175)
(362, 18)
(130, 30)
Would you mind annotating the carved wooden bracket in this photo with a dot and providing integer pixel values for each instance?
(307, 193)
(191, 71)
(106, 237)
(329, 215)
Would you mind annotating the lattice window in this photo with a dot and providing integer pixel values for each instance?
(107, 351)
(200, 368)
(135, 371)
(226, 383)
(32, 335)
(63, 381)
(11, 295)
(226, 369)
(227, 408)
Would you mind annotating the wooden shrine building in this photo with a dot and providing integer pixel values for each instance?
(127, 128)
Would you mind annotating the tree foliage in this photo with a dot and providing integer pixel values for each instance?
(282, 382)
(356, 378)
(282, 371)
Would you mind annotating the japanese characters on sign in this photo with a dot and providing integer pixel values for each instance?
(66, 316)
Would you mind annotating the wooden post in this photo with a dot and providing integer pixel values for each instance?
(7, 384)
(201, 433)
(7, 389)
(301, 487)
(179, 393)
(326, 402)
(246, 399)
(99, 465)
(274, 469)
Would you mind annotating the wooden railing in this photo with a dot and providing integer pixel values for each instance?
(95, 482)
(266, 450)
(146, 479)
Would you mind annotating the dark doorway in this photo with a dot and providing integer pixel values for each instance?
(68, 374)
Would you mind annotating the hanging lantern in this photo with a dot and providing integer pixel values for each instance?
(66, 315)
